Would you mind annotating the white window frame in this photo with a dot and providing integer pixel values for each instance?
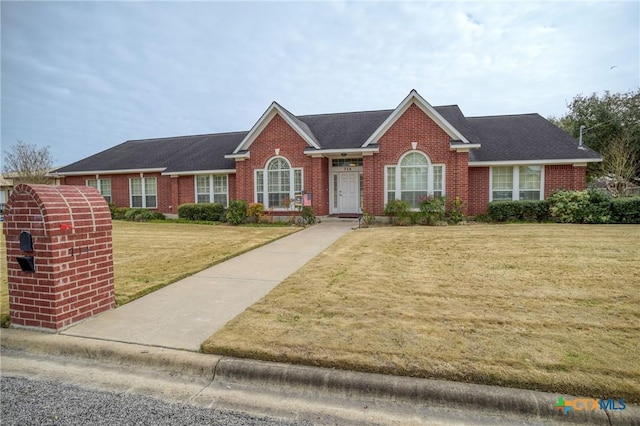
(398, 178)
(212, 189)
(98, 185)
(515, 190)
(296, 183)
(144, 194)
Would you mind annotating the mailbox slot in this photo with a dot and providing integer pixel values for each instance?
(26, 263)
(26, 241)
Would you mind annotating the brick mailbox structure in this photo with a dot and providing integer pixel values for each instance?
(59, 255)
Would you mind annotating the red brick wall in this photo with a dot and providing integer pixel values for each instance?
(564, 176)
(478, 190)
(186, 191)
(72, 250)
(413, 126)
(171, 192)
(278, 134)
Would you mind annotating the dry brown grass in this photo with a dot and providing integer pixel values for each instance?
(148, 256)
(548, 307)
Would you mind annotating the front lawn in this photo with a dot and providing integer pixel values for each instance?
(549, 307)
(148, 256)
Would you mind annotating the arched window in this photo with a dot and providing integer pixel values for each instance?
(277, 183)
(413, 179)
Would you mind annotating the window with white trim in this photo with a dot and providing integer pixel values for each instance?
(413, 179)
(143, 193)
(512, 183)
(277, 183)
(102, 185)
(212, 189)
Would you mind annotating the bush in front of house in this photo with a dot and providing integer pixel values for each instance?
(432, 211)
(255, 211)
(625, 210)
(525, 210)
(455, 212)
(142, 215)
(399, 212)
(588, 206)
(237, 212)
(207, 212)
(118, 213)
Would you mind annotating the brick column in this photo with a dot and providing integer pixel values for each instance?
(72, 277)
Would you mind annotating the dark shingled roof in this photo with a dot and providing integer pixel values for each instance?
(524, 137)
(345, 130)
(502, 138)
(176, 154)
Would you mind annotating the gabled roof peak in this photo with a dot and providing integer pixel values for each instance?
(414, 98)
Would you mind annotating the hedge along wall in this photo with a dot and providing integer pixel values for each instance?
(617, 210)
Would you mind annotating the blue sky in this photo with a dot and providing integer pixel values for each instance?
(82, 77)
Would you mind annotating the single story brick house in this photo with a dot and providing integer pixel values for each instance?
(346, 162)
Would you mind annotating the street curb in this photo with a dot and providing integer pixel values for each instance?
(315, 381)
(183, 362)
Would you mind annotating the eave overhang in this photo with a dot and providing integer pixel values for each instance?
(339, 151)
(573, 161)
(199, 172)
(107, 172)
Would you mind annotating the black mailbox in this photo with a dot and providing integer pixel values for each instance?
(26, 241)
(26, 244)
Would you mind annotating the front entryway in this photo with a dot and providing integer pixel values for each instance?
(349, 193)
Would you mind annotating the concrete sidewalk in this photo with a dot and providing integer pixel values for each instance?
(184, 314)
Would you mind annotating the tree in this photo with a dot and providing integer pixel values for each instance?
(620, 164)
(28, 163)
(606, 119)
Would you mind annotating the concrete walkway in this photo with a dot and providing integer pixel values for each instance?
(184, 314)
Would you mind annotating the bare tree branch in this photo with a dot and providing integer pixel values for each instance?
(28, 163)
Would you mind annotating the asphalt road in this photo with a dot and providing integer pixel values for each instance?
(51, 402)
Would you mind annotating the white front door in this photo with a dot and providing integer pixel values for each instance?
(349, 193)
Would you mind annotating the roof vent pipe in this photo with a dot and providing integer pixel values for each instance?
(580, 146)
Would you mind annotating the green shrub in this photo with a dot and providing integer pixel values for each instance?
(207, 212)
(399, 211)
(142, 215)
(118, 213)
(255, 211)
(456, 211)
(367, 219)
(525, 210)
(599, 208)
(432, 211)
(308, 216)
(589, 206)
(625, 210)
(237, 212)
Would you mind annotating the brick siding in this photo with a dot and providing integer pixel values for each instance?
(471, 184)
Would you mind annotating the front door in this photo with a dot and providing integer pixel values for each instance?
(349, 193)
